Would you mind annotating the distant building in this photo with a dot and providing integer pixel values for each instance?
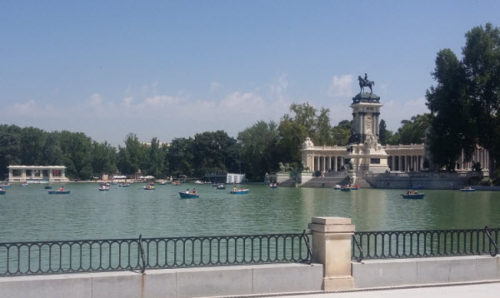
(37, 174)
(364, 153)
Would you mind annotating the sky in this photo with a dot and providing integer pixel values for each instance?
(171, 69)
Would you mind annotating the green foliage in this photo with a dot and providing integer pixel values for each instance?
(384, 134)
(341, 133)
(212, 152)
(258, 147)
(466, 100)
(411, 131)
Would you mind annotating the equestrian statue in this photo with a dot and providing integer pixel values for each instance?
(365, 83)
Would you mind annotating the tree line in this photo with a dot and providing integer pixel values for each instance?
(257, 150)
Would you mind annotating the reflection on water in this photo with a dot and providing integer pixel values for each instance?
(29, 213)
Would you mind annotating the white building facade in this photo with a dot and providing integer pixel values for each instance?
(37, 174)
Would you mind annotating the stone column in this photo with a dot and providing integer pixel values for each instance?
(335, 163)
(331, 246)
(329, 164)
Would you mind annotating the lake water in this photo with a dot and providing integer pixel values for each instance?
(30, 213)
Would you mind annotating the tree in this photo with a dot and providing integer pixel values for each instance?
(411, 131)
(76, 150)
(341, 133)
(291, 136)
(258, 149)
(466, 100)
(451, 122)
(212, 152)
(103, 158)
(180, 157)
(323, 128)
(154, 159)
(481, 64)
(384, 134)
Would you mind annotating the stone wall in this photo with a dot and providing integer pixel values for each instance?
(190, 282)
(425, 271)
(418, 180)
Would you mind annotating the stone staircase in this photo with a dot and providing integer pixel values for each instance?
(326, 181)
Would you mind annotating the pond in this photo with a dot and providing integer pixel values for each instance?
(31, 214)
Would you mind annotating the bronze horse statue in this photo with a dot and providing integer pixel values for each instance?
(365, 83)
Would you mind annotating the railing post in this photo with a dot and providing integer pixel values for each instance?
(331, 246)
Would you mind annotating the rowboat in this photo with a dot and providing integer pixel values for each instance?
(149, 187)
(273, 185)
(220, 186)
(59, 192)
(413, 195)
(2, 192)
(104, 187)
(188, 195)
(241, 191)
(467, 189)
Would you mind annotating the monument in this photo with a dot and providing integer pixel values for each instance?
(365, 153)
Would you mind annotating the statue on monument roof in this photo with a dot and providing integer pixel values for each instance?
(365, 83)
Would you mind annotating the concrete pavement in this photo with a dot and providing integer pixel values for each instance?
(483, 290)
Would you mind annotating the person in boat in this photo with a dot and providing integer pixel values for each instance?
(194, 191)
(187, 190)
(62, 188)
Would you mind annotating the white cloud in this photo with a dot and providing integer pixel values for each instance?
(340, 86)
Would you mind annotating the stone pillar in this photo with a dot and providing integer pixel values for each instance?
(335, 163)
(331, 246)
(329, 164)
(11, 175)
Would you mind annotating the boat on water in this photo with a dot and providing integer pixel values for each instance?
(104, 187)
(176, 183)
(220, 186)
(337, 187)
(345, 188)
(468, 189)
(273, 185)
(189, 194)
(239, 191)
(123, 184)
(60, 191)
(149, 187)
(48, 187)
(5, 186)
(2, 191)
(355, 187)
(413, 194)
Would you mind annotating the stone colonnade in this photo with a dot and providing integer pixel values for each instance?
(406, 163)
(37, 173)
(327, 163)
(480, 155)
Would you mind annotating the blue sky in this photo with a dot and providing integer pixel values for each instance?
(171, 69)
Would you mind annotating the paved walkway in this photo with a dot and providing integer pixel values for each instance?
(483, 290)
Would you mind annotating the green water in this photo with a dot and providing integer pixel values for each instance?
(30, 213)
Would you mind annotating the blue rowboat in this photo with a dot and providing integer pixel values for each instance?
(241, 191)
(48, 187)
(188, 195)
(59, 192)
(415, 196)
(2, 192)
